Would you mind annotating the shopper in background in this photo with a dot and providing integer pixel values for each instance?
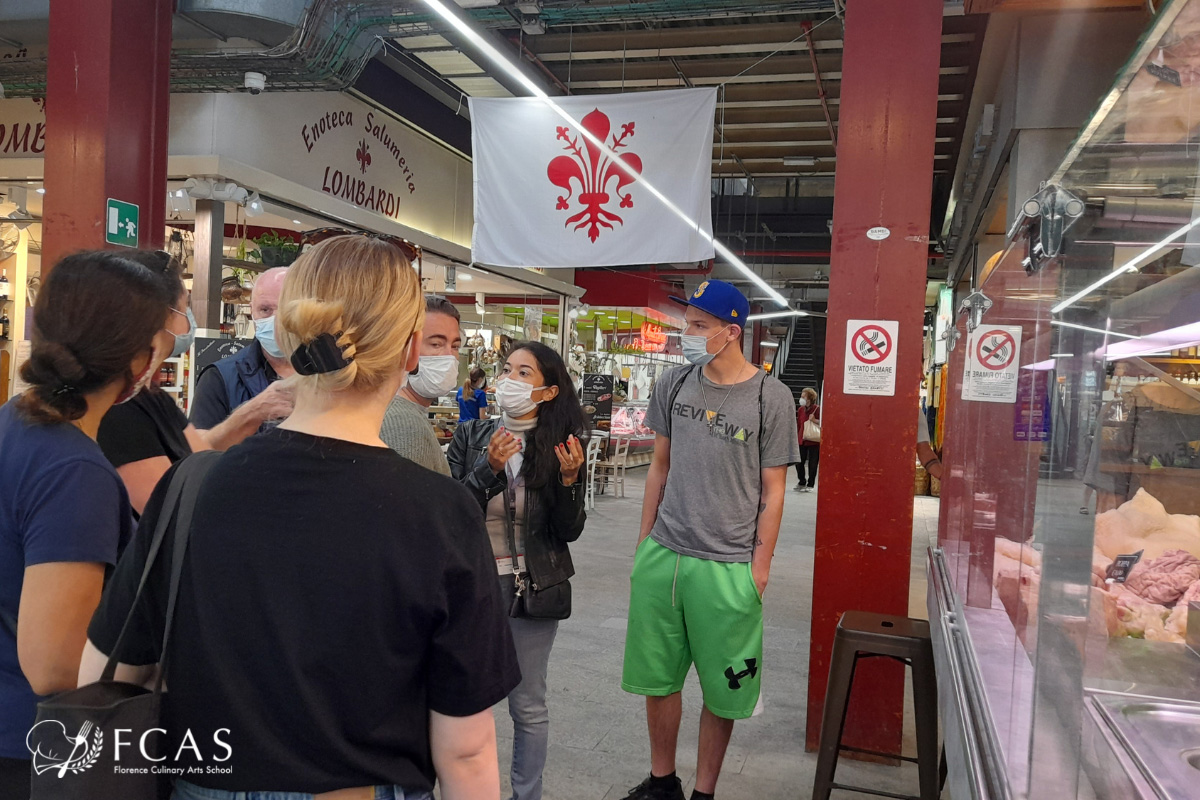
(810, 449)
(406, 426)
(64, 514)
(246, 388)
(925, 452)
(525, 470)
(339, 631)
(472, 397)
(725, 433)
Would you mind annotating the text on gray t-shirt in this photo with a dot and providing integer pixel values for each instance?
(714, 487)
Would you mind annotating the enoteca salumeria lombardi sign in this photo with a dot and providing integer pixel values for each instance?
(335, 144)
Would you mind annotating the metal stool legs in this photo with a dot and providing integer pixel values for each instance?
(862, 635)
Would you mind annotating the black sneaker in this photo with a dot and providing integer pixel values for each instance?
(652, 789)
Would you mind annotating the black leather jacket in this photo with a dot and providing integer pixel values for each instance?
(554, 515)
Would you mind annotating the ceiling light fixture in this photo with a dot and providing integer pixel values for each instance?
(1078, 327)
(1133, 265)
(768, 344)
(1062, 355)
(799, 161)
(509, 67)
(464, 276)
(297, 222)
(773, 314)
(40, 190)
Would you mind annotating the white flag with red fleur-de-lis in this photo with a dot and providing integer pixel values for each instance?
(548, 194)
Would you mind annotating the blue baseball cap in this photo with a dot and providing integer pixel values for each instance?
(723, 300)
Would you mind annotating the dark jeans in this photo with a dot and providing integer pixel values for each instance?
(14, 779)
(811, 456)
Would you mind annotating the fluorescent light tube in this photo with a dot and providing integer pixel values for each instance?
(772, 314)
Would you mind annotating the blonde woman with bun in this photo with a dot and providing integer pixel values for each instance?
(338, 634)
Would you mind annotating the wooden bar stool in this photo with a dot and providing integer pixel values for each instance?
(864, 635)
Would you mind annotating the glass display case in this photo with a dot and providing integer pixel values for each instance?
(1068, 560)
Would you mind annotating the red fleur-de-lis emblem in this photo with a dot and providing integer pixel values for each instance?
(364, 156)
(594, 171)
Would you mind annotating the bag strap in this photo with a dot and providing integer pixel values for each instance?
(510, 527)
(674, 394)
(177, 506)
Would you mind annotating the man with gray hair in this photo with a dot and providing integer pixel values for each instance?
(246, 388)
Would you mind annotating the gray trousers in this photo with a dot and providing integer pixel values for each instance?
(527, 705)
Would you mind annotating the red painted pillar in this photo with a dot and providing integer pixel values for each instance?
(864, 510)
(107, 106)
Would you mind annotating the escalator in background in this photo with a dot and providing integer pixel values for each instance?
(804, 364)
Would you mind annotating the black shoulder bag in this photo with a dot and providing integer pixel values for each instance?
(531, 602)
(74, 741)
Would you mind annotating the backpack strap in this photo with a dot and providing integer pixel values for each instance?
(674, 394)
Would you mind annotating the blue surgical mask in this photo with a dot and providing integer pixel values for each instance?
(695, 348)
(183, 341)
(264, 331)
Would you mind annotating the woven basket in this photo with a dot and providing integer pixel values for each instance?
(935, 487)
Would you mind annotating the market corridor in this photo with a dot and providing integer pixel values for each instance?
(598, 746)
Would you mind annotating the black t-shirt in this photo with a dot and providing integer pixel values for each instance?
(147, 426)
(332, 595)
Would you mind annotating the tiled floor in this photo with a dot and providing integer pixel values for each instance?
(598, 735)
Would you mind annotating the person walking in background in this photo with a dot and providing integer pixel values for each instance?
(345, 630)
(406, 427)
(725, 433)
(472, 396)
(810, 448)
(64, 513)
(525, 470)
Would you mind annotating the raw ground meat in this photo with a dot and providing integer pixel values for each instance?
(1163, 580)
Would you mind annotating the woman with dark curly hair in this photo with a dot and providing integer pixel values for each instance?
(64, 513)
(526, 471)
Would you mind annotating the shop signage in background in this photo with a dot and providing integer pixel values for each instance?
(337, 145)
(871, 357)
(121, 223)
(547, 195)
(22, 128)
(652, 340)
(597, 399)
(533, 323)
(993, 364)
(210, 351)
(1031, 421)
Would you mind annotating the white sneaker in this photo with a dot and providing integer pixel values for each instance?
(799, 487)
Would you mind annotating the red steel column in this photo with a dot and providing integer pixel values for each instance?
(865, 507)
(107, 107)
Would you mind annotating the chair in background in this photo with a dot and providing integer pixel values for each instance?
(593, 458)
(612, 469)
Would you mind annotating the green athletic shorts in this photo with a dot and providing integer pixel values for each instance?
(683, 610)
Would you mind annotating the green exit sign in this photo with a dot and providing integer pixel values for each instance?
(121, 224)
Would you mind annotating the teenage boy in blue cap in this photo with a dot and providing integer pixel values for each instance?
(725, 434)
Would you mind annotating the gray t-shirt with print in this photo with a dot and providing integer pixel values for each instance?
(710, 507)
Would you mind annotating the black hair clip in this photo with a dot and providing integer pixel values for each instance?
(66, 388)
(319, 356)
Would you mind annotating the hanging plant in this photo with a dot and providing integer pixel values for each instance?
(275, 250)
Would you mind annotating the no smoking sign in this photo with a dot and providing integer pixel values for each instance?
(871, 357)
(992, 365)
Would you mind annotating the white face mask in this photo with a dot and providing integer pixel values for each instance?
(514, 397)
(695, 348)
(436, 376)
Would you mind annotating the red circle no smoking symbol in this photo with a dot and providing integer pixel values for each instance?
(871, 344)
(996, 350)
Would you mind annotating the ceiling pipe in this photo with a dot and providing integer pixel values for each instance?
(812, 54)
(537, 62)
(933, 254)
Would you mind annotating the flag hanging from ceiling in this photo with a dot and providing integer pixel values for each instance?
(548, 195)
